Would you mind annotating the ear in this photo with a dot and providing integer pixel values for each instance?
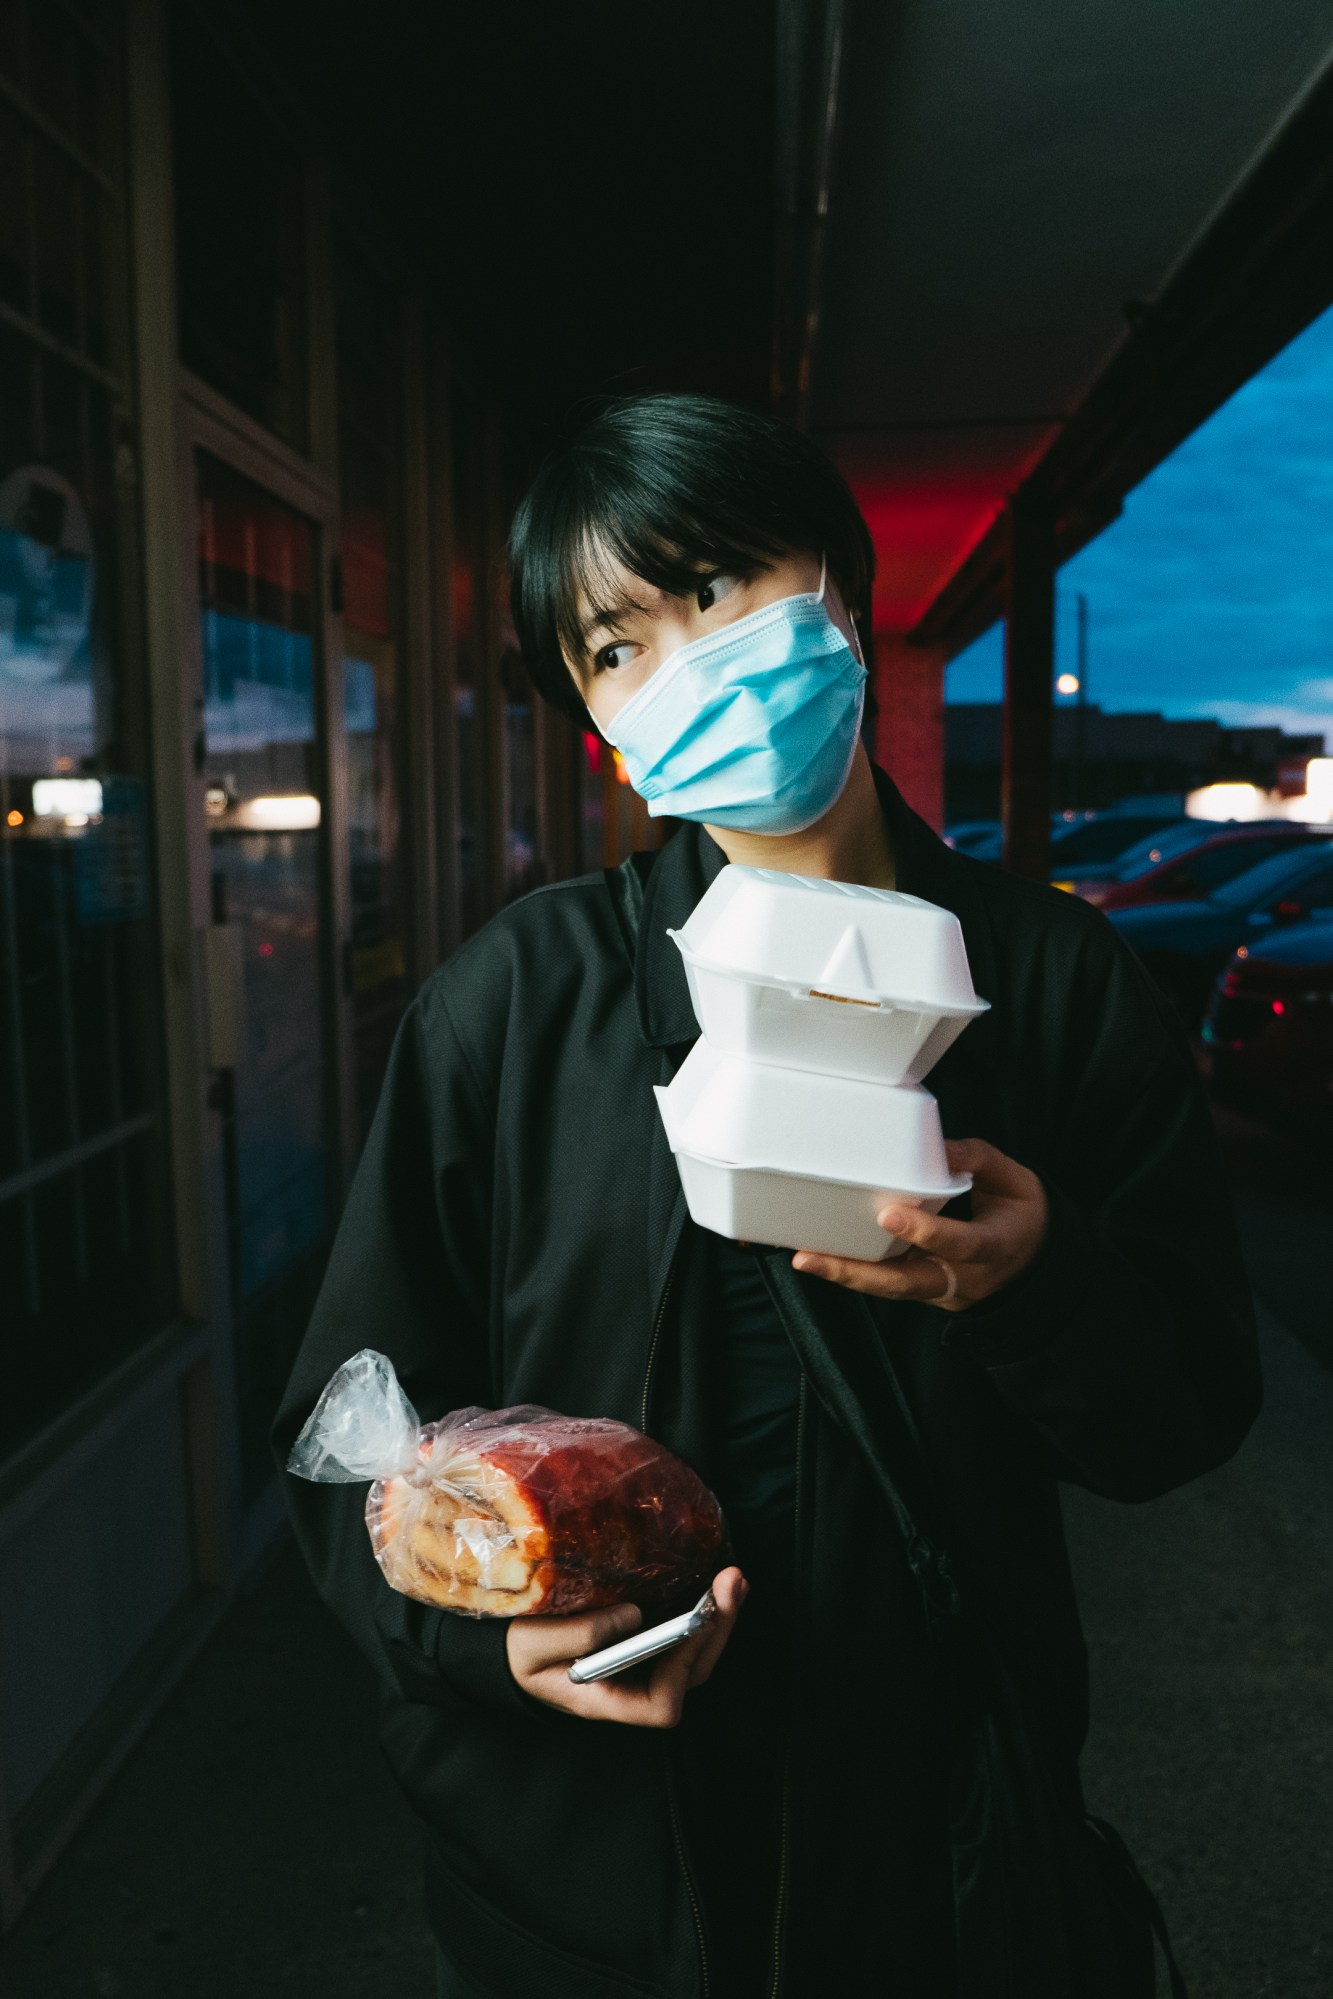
(842, 617)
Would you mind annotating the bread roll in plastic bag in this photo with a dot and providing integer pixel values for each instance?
(510, 1512)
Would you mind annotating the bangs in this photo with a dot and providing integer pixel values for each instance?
(668, 488)
(602, 534)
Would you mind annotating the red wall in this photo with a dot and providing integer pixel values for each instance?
(909, 728)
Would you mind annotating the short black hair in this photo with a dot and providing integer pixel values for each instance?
(671, 486)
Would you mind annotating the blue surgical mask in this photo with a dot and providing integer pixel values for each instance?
(754, 727)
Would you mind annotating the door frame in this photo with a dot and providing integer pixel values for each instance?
(209, 423)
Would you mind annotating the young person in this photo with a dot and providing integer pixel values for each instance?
(776, 1807)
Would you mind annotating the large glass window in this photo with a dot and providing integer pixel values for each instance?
(374, 693)
(85, 1209)
(264, 801)
(524, 864)
(613, 819)
(466, 586)
(240, 238)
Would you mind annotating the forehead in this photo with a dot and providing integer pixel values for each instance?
(608, 588)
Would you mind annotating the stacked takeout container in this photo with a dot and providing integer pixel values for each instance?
(821, 1006)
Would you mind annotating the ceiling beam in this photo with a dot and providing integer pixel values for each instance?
(810, 40)
(1259, 271)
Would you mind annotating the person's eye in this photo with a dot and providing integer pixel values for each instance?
(612, 657)
(716, 589)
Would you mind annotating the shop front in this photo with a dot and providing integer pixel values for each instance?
(266, 754)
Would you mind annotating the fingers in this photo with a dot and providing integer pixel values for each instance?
(655, 1697)
(652, 1699)
(953, 1264)
(730, 1590)
(539, 1642)
(992, 1171)
(541, 1649)
(912, 1276)
(632, 1700)
(954, 1241)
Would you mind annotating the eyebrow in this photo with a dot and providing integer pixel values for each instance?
(608, 618)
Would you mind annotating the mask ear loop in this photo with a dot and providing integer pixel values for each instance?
(856, 636)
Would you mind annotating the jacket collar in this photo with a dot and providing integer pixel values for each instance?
(691, 861)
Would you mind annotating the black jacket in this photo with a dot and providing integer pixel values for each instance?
(516, 1232)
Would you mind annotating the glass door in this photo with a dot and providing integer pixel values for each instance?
(259, 621)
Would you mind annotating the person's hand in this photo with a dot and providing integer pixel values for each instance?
(542, 1649)
(953, 1264)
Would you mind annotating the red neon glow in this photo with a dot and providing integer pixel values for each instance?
(1279, 1006)
(929, 496)
(246, 532)
(460, 591)
(921, 535)
(592, 750)
(365, 576)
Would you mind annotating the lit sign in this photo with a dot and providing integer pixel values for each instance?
(1228, 801)
(67, 797)
(296, 814)
(1319, 787)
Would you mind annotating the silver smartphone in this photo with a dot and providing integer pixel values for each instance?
(643, 1644)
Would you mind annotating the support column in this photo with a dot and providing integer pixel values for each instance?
(909, 723)
(1029, 639)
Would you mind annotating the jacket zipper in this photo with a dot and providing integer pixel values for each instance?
(681, 1855)
(785, 1840)
(655, 1341)
(676, 1833)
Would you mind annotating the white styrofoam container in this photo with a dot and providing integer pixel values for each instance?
(802, 1160)
(815, 974)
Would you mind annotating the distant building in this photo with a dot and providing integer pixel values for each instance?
(1101, 757)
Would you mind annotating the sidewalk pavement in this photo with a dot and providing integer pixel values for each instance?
(1210, 1634)
(254, 1847)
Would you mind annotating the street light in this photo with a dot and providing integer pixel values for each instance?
(1067, 684)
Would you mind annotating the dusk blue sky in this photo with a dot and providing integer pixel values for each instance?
(1213, 592)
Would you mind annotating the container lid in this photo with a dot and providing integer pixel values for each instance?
(874, 945)
(737, 1112)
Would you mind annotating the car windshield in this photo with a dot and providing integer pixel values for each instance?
(1163, 845)
(1256, 885)
(1098, 840)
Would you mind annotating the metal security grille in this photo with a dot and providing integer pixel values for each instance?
(84, 1212)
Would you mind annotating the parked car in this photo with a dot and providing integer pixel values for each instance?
(983, 839)
(1269, 1029)
(1089, 847)
(1190, 860)
(1184, 945)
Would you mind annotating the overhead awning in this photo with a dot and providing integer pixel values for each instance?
(1057, 237)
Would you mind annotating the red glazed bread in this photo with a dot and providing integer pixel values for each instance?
(520, 1511)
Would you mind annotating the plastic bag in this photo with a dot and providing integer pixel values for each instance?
(511, 1512)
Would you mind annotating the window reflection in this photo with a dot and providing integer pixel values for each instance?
(374, 709)
(262, 798)
(465, 586)
(85, 1214)
(522, 857)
